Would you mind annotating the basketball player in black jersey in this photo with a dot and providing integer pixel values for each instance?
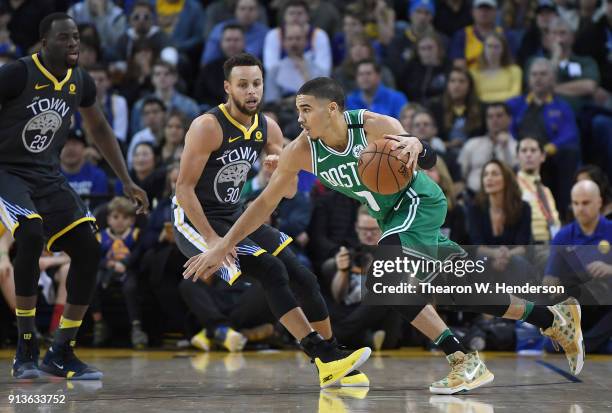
(220, 149)
(38, 96)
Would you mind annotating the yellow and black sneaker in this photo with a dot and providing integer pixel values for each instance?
(332, 363)
(355, 378)
(25, 364)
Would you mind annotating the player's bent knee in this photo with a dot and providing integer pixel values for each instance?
(30, 234)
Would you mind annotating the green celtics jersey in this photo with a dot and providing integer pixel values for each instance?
(338, 171)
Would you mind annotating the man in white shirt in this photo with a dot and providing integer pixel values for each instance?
(498, 143)
(296, 12)
(293, 70)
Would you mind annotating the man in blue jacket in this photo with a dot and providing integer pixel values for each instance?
(372, 94)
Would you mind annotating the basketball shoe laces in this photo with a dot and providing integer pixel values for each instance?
(559, 339)
(457, 367)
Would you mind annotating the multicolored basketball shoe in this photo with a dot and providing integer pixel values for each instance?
(567, 331)
(467, 373)
(25, 363)
(62, 362)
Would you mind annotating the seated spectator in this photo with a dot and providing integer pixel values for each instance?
(228, 315)
(380, 19)
(518, 15)
(325, 15)
(159, 261)
(54, 272)
(353, 27)
(90, 54)
(567, 11)
(544, 215)
(296, 12)
(7, 45)
(543, 114)
(246, 15)
(117, 242)
(454, 226)
(577, 76)
(153, 115)
(467, 44)
(407, 113)
(219, 11)
(424, 126)
(496, 77)
(577, 267)
(145, 173)
(136, 82)
(332, 225)
(498, 143)
(372, 94)
(595, 42)
(7, 276)
(25, 16)
(535, 38)
(299, 65)
(108, 18)
(360, 48)
(499, 221)
(356, 325)
(141, 27)
(452, 16)
(458, 112)
(164, 79)
(404, 43)
(113, 105)
(595, 174)
(181, 20)
(209, 88)
(425, 76)
(87, 180)
(173, 139)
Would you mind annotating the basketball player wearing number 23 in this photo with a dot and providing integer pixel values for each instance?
(330, 147)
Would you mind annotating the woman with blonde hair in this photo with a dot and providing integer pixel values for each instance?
(496, 77)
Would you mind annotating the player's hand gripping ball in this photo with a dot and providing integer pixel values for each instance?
(381, 170)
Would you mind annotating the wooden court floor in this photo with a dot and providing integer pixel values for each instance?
(186, 381)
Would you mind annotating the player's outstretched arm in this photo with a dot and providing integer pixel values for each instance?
(104, 138)
(295, 156)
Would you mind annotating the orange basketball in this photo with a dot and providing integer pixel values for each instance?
(380, 170)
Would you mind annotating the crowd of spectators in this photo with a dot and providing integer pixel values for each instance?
(515, 96)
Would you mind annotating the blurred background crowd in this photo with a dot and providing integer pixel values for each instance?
(515, 96)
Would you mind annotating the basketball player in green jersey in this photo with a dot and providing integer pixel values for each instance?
(330, 147)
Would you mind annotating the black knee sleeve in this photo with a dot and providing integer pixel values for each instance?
(305, 286)
(84, 250)
(29, 240)
(272, 274)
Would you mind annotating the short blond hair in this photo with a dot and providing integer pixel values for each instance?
(121, 205)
